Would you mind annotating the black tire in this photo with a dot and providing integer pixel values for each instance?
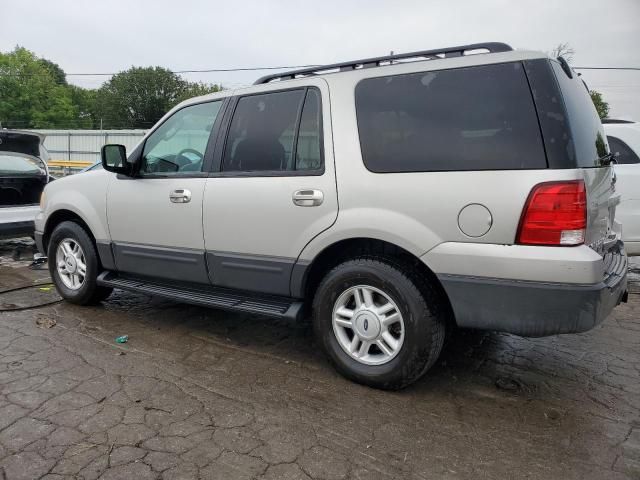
(89, 293)
(421, 308)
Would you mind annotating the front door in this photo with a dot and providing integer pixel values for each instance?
(155, 219)
(276, 189)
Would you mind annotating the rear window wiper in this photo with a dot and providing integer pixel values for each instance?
(608, 159)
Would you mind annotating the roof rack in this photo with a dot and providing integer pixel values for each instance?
(491, 47)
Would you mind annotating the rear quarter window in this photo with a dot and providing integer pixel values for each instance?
(475, 118)
(586, 129)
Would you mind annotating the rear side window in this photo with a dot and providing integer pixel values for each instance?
(309, 147)
(586, 128)
(275, 132)
(476, 118)
(622, 151)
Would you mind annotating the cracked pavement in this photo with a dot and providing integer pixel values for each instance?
(199, 393)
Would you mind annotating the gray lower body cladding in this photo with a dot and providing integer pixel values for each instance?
(526, 308)
(271, 275)
(161, 262)
(256, 273)
(535, 309)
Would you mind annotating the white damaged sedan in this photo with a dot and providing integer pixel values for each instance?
(23, 176)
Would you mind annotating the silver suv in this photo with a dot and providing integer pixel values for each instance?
(393, 196)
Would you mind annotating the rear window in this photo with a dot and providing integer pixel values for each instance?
(476, 118)
(586, 128)
(15, 165)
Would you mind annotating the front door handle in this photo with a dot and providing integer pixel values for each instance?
(308, 198)
(180, 195)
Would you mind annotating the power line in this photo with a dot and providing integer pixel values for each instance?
(614, 86)
(210, 70)
(241, 69)
(207, 70)
(606, 68)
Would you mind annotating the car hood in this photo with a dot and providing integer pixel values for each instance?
(16, 141)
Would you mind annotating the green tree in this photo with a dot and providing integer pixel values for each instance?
(57, 72)
(602, 107)
(138, 97)
(34, 93)
(30, 93)
(197, 89)
(84, 103)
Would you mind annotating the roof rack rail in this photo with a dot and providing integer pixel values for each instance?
(491, 47)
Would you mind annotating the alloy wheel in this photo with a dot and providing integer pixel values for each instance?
(368, 325)
(71, 264)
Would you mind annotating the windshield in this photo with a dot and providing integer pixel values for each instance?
(14, 165)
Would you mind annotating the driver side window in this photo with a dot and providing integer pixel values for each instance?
(178, 145)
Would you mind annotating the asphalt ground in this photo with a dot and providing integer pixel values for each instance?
(199, 393)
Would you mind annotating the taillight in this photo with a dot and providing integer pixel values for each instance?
(555, 214)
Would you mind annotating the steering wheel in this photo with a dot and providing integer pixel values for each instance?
(184, 161)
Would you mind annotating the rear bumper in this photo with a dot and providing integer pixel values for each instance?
(536, 309)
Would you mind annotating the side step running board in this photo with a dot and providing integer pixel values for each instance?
(226, 299)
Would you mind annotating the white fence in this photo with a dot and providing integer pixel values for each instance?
(85, 145)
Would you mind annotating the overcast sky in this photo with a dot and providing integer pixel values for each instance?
(112, 35)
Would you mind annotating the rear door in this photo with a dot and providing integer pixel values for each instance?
(276, 187)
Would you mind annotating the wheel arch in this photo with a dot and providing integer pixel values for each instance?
(307, 276)
(64, 215)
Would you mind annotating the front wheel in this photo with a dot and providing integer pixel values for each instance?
(74, 265)
(378, 325)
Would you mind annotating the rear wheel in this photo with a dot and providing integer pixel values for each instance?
(74, 265)
(378, 325)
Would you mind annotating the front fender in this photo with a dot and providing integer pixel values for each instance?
(82, 194)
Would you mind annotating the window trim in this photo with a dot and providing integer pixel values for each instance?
(207, 160)
(221, 146)
(535, 108)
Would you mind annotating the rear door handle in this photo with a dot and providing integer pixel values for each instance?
(308, 198)
(180, 195)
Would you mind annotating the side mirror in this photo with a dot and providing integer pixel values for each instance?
(114, 159)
